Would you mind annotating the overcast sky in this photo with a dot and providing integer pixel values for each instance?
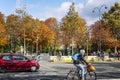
(44, 9)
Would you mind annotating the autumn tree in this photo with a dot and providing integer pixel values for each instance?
(25, 32)
(3, 36)
(106, 38)
(52, 23)
(2, 18)
(12, 28)
(34, 35)
(73, 27)
(112, 18)
(44, 34)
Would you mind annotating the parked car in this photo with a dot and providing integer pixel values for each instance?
(17, 62)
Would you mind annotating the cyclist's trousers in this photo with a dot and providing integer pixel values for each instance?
(81, 67)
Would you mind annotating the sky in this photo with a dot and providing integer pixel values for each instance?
(43, 9)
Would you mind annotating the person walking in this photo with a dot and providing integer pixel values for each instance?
(102, 55)
(118, 55)
(98, 55)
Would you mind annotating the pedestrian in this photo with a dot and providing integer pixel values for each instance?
(118, 55)
(110, 55)
(98, 55)
(60, 55)
(102, 55)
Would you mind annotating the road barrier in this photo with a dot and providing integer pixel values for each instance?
(89, 59)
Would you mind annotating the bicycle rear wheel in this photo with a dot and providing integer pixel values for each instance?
(91, 75)
(73, 75)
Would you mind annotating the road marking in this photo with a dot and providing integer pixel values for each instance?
(46, 67)
(18, 75)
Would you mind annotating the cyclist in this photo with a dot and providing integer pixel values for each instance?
(79, 61)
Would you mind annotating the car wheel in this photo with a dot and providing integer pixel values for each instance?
(3, 69)
(33, 68)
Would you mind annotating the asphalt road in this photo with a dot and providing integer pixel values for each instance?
(58, 71)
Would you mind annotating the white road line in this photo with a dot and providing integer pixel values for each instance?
(47, 67)
(18, 75)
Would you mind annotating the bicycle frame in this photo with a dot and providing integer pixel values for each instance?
(76, 73)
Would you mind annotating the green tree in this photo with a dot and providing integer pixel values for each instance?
(73, 27)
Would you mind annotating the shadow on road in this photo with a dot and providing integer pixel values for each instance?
(109, 75)
(45, 77)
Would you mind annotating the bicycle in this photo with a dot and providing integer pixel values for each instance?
(75, 74)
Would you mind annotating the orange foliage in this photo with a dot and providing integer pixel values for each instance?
(3, 39)
(45, 35)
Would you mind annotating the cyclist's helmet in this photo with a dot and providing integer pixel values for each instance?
(82, 51)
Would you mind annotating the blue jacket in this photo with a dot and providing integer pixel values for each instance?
(77, 58)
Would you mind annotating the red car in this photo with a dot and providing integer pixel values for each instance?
(17, 62)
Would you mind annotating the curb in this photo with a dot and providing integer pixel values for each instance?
(71, 61)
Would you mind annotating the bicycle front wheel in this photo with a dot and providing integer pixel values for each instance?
(91, 76)
(73, 75)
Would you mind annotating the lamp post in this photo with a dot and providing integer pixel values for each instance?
(115, 37)
(117, 18)
(99, 32)
(115, 41)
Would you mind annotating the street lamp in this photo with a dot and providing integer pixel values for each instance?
(99, 32)
(115, 41)
(115, 38)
